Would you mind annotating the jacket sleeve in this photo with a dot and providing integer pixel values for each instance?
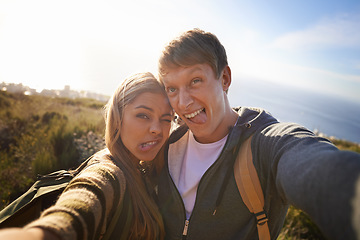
(312, 174)
(84, 209)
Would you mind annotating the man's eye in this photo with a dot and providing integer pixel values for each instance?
(196, 80)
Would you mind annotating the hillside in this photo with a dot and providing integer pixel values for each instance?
(41, 134)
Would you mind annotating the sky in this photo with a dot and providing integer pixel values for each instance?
(94, 45)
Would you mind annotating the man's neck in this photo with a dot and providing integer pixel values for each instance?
(222, 130)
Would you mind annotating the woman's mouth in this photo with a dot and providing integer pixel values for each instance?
(148, 145)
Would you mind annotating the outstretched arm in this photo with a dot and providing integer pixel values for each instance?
(27, 234)
(84, 210)
(315, 176)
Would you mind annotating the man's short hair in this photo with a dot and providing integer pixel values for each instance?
(193, 47)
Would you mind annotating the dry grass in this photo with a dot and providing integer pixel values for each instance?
(37, 136)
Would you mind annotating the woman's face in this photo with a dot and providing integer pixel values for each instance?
(146, 125)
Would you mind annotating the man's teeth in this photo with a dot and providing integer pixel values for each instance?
(148, 143)
(191, 115)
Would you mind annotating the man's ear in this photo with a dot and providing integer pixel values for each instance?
(226, 78)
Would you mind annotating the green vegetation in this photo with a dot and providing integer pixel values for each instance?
(298, 225)
(346, 145)
(37, 137)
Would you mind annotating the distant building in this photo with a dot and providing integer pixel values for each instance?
(67, 88)
(66, 92)
(49, 93)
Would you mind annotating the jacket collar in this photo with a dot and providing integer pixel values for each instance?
(250, 120)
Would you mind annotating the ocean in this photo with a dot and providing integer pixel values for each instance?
(332, 116)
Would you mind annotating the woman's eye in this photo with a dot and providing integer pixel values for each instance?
(143, 116)
(167, 120)
(171, 90)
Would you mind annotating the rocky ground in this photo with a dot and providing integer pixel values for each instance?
(88, 144)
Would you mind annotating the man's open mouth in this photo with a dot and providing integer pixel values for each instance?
(194, 114)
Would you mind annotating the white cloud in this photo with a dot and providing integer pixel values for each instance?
(340, 31)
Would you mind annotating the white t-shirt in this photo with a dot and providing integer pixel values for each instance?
(198, 158)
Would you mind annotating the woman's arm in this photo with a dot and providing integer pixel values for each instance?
(83, 210)
(27, 234)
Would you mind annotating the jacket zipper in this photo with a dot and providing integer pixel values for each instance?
(187, 221)
(186, 226)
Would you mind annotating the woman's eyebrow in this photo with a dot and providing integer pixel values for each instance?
(152, 110)
(145, 107)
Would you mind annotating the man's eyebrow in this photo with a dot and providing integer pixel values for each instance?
(195, 70)
(192, 71)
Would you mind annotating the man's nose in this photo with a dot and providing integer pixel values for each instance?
(185, 99)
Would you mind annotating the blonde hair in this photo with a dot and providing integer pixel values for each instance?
(193, 47)
(147, 222)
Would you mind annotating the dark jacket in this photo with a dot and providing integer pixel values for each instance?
(294, 167)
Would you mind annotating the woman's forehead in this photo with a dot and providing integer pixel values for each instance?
(152, 101)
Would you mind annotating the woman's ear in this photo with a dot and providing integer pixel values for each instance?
(226, 78)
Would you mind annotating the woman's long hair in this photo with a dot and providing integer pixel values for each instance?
(147, 222)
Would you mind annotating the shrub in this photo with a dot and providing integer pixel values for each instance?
(64, 148)
(48, 116)
(37, 137)
(14, 177)
(298, 225)
(44, 162)
(4, 102)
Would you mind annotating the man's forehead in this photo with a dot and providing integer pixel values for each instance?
(172, 74)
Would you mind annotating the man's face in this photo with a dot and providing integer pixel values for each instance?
(199, 98)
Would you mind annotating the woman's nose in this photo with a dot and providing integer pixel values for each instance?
(155, 128)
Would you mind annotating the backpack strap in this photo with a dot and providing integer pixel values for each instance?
(249, 187)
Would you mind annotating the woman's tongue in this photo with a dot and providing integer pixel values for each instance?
(200, 118)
